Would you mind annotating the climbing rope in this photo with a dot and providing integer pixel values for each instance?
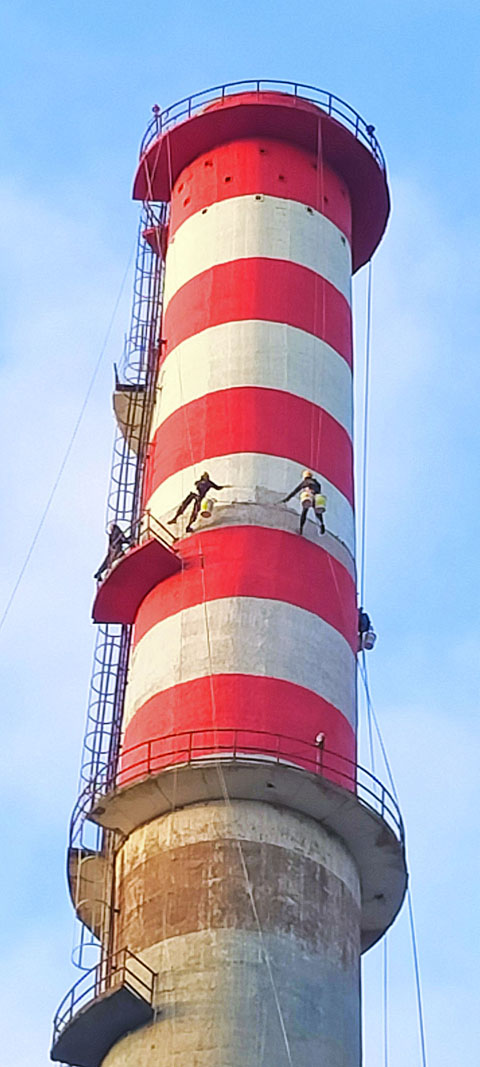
(385, 1000)
(411, 919)
(219, 765)
(372, 721)
(69, 447)
(368, 344)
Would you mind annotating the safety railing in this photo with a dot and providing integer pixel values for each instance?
(121, 968)
(327, 102)
(195, 746)
(107, 687)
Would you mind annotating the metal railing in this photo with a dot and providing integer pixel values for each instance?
(121, 968)
(145, 528)
(327, 102)
(107, 686)
(211, 744)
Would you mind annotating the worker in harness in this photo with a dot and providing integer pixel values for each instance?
(366, 633)
(202, 487)
(117, 541)
(310, 497)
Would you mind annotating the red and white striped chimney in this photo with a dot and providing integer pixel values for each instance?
(253, 870)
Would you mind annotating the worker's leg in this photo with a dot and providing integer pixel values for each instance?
(181, 508)
(303, 517)
(321, 524)
(193, 516)
(103, 567)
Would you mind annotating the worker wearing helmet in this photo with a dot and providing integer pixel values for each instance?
(309, 488)
(202, 487)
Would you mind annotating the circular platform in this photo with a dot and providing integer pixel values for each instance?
(369, 823)
(287, 111)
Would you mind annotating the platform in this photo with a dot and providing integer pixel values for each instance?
(363, 814)
(286, 111)
(109, 1001)
(128, 406)
(134, 575)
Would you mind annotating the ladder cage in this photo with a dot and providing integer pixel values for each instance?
(110, 659)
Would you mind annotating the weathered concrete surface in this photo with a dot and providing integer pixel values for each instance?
(217, 1007)
(373, 841)
(183, 905)
(248, 473)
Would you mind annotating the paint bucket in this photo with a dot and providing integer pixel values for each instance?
(206, 507)
(369, 640)
(320, 503)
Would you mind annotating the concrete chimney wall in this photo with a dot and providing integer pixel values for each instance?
(184, 907)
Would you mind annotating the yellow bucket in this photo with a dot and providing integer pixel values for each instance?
(206, 508)
(320, 503)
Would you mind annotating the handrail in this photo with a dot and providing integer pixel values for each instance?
(121, 968)
(188, 747)
(143, 529)
(327, 102)
(147, 526)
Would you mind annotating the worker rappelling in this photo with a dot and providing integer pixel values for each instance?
(202, 486)
(366, 633)
(311, 496)
(117, 542)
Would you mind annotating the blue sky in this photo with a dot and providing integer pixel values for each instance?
(77, 84)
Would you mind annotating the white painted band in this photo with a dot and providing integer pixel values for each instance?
(253, 477)
(246, 227)
(268, 355)
(243, 635)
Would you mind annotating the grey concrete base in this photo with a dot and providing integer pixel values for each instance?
(370, 839)
(218, 1008)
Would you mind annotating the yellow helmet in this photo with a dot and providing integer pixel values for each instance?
(205, 474)
(307, 474)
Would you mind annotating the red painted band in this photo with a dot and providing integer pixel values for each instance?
(255, 561)
(273, 290)
(244, 704)
(260, 166)
(249, 419)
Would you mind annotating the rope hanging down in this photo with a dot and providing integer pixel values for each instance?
(68, 449)
(411, 919)
(218, 764)
(368, 345)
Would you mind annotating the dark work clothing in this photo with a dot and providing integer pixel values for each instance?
(364, 623)
(314, 486)
(306, 483)
(116, 541)
(203, 485)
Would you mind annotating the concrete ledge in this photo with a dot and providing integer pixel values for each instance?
(88, 1036)
(373, 837)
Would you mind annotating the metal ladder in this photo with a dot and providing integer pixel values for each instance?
(112, 645)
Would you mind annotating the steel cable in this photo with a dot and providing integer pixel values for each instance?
(68, 450)
(411, 919)
(218, 764)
